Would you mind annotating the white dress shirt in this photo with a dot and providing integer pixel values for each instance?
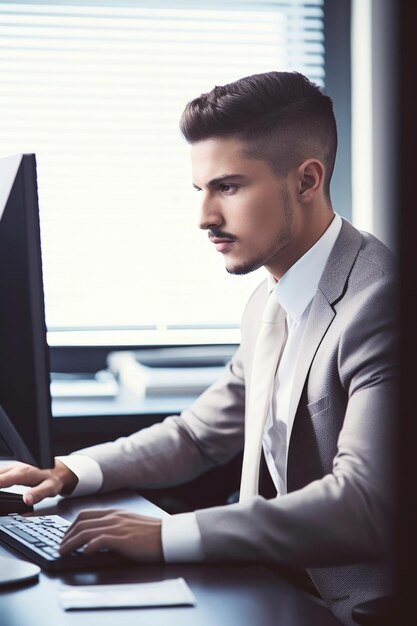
(295, 291)
(181, 539)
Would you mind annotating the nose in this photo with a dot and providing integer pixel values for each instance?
(210, 212)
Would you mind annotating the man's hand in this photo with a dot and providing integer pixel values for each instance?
(136, 537)
(45, 483)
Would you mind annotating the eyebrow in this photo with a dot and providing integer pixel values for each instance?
(219, 179)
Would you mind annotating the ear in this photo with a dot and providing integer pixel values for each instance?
(310, 179)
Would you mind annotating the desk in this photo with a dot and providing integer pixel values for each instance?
(226, 594)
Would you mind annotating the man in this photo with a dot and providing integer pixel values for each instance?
(263, 151)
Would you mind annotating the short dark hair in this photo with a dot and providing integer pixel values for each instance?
(282, 117)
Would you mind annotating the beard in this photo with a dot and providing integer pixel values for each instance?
(282, 241)
(247, 267)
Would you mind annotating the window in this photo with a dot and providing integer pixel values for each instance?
(96, 89)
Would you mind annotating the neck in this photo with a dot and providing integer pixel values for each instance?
(303, 240)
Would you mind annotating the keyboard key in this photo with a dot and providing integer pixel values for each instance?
(23, 535)
(52, 552)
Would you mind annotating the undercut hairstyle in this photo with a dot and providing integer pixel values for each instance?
(281, 117)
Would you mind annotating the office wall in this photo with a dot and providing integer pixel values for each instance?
(374, 88)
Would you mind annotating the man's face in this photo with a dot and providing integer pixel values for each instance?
(246, 209)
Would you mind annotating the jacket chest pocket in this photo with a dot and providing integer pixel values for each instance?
(317, 407)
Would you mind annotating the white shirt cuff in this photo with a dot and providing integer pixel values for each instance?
(88, 472)
(181, 539)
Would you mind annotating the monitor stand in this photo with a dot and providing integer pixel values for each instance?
(12, 446)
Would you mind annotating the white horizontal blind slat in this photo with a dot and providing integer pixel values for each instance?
(96, 91)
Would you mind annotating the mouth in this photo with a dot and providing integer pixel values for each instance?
(222, 244)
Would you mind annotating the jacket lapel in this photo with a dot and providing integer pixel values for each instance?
(331, 288)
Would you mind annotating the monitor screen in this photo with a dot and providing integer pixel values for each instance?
(25, 402)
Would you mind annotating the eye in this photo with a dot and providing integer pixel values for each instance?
(228, 188)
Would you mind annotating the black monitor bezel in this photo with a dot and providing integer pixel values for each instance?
(37, 448)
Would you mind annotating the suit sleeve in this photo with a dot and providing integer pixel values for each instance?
(181, 447)
(346, 516)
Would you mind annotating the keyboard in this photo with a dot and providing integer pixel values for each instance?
(38, 539)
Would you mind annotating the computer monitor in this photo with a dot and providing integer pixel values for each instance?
(25, 401)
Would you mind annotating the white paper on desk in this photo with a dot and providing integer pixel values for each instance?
(174, 592)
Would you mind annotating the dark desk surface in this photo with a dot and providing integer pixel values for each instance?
(229, 595)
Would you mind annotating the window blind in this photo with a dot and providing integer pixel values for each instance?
(96, 90)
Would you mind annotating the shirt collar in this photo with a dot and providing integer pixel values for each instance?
(296, 288)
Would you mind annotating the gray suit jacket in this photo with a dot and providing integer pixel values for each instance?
(337, 518)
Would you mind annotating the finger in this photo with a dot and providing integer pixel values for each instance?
(13, 465)
(110, 542)
(7, 477)
(46, 489)
(77, 540)
(114, 542)
(95, 525)
(84, 536)
(85, 525)
(6, 468)
(100, 542)
(21, 475)
(91, 514)
(94, 513)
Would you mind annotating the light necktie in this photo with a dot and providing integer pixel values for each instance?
(268, 349)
